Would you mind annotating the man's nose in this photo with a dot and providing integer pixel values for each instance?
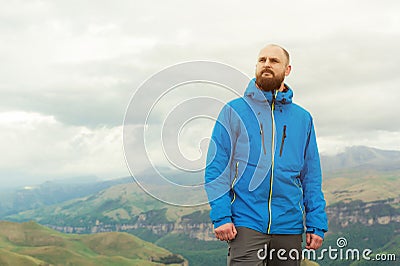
(267, 63)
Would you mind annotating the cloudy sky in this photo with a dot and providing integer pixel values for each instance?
(68, 70)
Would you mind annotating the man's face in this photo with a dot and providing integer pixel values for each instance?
(271, 68)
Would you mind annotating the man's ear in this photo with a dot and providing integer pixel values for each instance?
(288, 69)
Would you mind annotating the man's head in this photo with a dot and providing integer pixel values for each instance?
(273, 65)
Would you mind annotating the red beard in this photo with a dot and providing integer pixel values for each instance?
(269, 83)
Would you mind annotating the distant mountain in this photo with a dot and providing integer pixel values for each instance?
(357, 161)
(51, 192)
(119, 204)
(33, 244)
(362, 158)
(123, 201)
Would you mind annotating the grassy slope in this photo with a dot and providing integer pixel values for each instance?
(8, 258)
(33, 244)
(358, 185)
(119, 203)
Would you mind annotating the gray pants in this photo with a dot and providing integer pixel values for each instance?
(252, 248)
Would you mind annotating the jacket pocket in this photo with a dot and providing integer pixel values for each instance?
(282, 141)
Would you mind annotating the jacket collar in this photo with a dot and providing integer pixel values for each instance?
(282, 97)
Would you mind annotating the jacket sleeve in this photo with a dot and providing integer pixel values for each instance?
(313, 197)
(217, 172)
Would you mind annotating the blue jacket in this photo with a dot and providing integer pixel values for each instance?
(263, 169)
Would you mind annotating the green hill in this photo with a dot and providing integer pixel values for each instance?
(51, 192)
(116, 205)
(365, 185)
(32, 244)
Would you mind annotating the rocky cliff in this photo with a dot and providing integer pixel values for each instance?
(197, 225)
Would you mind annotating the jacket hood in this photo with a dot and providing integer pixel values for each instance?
(282, 97)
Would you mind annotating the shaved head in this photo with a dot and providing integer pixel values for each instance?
(284, 51)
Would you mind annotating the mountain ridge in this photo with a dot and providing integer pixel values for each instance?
(362, 158)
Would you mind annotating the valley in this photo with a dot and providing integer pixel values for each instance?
(360, 186)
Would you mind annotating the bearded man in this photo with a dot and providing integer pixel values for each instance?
(263, 175)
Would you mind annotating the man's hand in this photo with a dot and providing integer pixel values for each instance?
(225, 232)
(313, 241)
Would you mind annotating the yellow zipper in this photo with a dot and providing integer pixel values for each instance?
(272, 164)
(233, 181)
(301, 195)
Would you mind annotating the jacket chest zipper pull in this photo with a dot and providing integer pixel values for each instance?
(283, 140)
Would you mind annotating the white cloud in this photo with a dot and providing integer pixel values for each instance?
(37, 145)
(68, 69)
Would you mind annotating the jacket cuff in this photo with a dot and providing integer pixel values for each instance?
(222, 221)
(316, 231)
